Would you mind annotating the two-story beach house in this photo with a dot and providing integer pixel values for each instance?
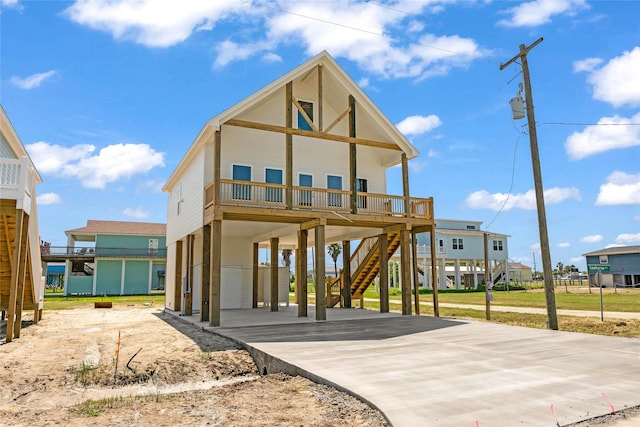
(299, 164)
(111, 258)
(21, 281)
(461, 246)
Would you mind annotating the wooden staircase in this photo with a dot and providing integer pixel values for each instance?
(365, 266)
(8, 238)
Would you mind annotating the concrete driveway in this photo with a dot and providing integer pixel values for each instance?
(440, 372)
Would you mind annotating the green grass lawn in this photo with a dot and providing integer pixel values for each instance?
(627, 300)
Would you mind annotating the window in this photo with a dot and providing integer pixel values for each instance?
(334, 183)
(471, 227)
(305, 197)
(457, 244)
(153, 245)
(497, 245)
(604, 259)
(273, 176)
(241, 191)
(308, 108)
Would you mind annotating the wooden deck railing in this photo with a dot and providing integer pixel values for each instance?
(258, 194)
(16, 178)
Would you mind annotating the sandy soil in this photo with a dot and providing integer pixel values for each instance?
(136, 366)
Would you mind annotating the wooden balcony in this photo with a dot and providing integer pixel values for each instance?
(16, 181)
(274, 196)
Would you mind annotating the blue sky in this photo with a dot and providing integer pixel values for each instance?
(108, 95)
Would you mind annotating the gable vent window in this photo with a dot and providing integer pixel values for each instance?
(308, 109)
(471, 227)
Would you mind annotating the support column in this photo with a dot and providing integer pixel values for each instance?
(216, 267)
(475, 274)
(188, 292)
(443, 274)
(301, 277)
(177, 277)
(405, 271)
(255, 282)
(352, 156)
(414, 268)
(346, 273)
(22, 276)
(384, 273)
(321, 306)
(16, 286)
(289, 144)
(405, 185)
(457, 273)
(434, 280)
(205, 274)
(274, 273)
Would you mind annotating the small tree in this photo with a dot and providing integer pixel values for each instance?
(286, 257)
(334, 250)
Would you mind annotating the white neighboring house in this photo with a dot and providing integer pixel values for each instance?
(21, 281)
(303, 160)
(460, 252)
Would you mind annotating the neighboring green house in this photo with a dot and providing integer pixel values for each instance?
(114, 258)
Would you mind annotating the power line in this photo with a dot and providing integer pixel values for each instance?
(326, 21)
(587, 124)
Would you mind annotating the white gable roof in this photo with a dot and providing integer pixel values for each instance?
(337, 78)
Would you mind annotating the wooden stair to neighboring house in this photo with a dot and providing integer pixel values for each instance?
(365, 265)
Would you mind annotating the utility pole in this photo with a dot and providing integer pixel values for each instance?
(537, 179)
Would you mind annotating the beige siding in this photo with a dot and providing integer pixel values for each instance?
(189, 191)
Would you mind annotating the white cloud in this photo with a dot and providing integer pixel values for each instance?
(357, 30)
(636, 218)
(153, 23)
(594, 238)
(417, 125)
(609, 134)
(51, 158)
(502, 201)
(33, 81)
(621, 189)
(11, 4)
(112, 163)
(563, 245)
(539, 12)
(628, 239)
(137, 213)
(48, 199)
(588, 64)
(617, 82)
(271, 57)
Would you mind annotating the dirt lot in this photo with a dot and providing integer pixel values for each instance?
(63, 371)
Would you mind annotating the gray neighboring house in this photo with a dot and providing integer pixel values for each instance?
(619, 266)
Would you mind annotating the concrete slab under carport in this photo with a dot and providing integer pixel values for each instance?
(442, 372)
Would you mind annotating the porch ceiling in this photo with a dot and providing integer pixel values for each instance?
(287, 233)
